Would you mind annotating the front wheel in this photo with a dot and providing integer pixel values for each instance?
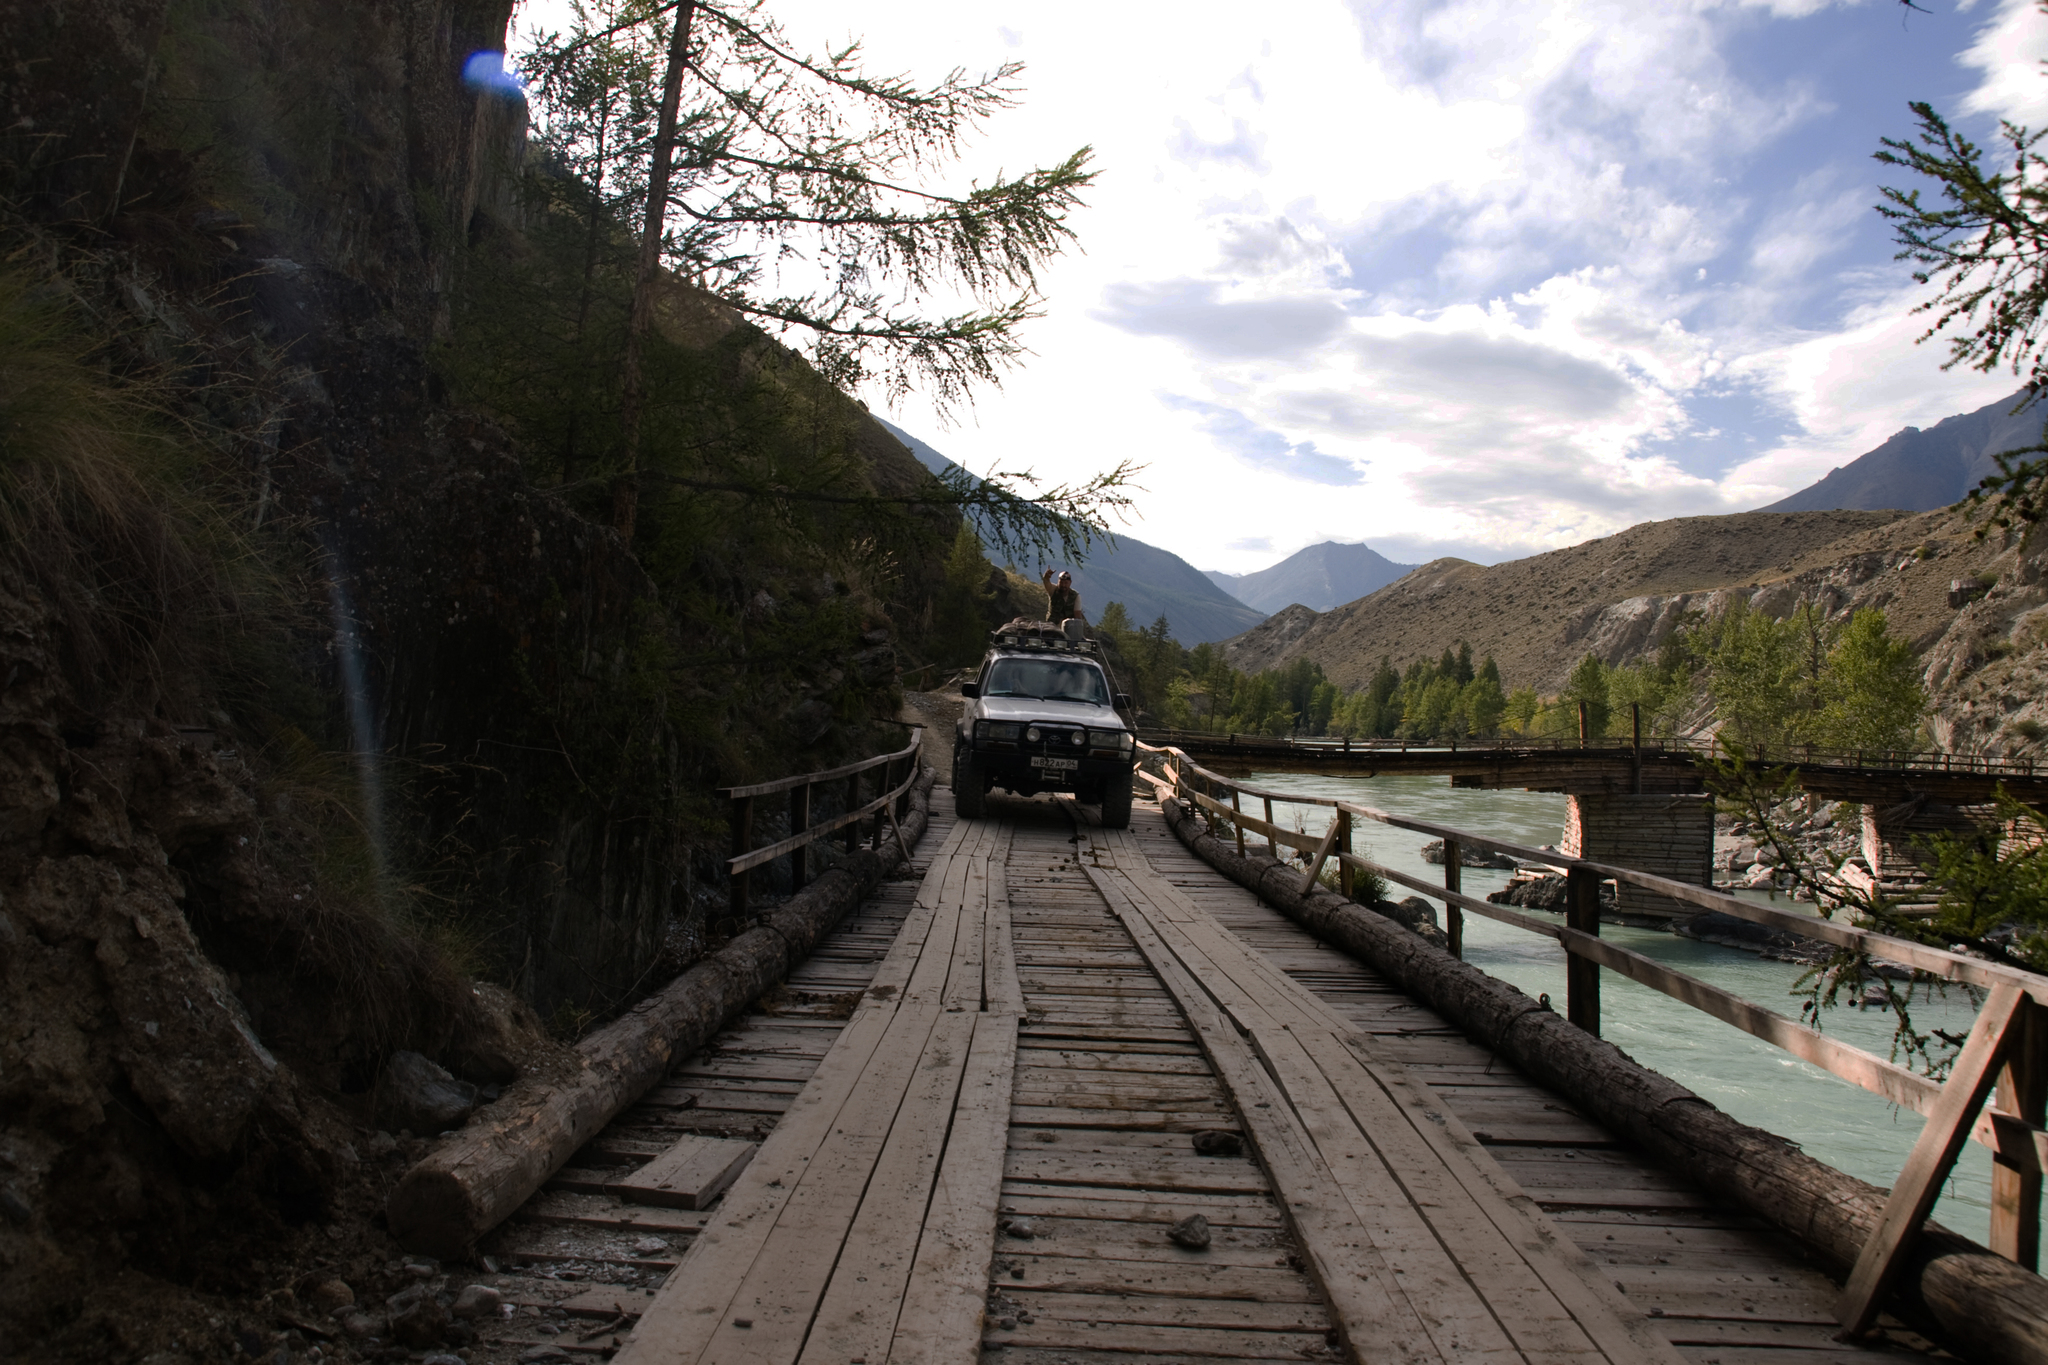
(970, 794)
(1116, 803)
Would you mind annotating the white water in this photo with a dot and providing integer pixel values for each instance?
(1834, 1121)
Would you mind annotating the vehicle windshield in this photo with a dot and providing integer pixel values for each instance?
(1047, 680)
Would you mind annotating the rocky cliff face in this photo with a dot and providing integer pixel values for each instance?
(1972, 609)
(1532, 614)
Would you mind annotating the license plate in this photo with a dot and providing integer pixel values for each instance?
(1064, 765)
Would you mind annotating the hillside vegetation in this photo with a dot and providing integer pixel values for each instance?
(1534, 615)
(1622, 599)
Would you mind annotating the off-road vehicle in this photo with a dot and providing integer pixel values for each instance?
(1042, 716)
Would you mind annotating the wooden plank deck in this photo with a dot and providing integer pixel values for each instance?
(580, 1257)
(1423, 1244)
(975, 1107)
(1716, 1284)
(842, 1226)
(1112, 1085)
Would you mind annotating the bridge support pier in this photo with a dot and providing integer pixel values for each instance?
(1670, 835)
(1893, 837)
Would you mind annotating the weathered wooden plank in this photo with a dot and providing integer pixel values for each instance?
(1527, 1272)
(941, 1316)
(1370, 1302)
(689, 1175)
(818, 1159)
(869, 1267)
(1155, 1309)
(1162, 1174)
(1258, 1284)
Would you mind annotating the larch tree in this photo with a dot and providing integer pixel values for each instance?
(1983, 244)
(805, 194)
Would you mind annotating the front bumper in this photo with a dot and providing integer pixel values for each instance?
(1017, 772)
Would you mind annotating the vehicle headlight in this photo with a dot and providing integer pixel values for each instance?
(998, 729)
(1032, 735)
(1079, 737)
(1110, 739)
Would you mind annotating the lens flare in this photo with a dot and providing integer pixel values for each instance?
(485, 73)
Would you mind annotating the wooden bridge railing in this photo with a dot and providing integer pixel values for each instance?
(2007, 1046)
(1884, 759)
(893, 800)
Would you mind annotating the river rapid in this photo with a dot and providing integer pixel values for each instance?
(1834, 1121)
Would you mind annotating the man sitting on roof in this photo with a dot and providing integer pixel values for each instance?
(1061, 601)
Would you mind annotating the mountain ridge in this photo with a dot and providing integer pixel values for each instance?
(1919, 470)
(1319, 577)
(1535, 614)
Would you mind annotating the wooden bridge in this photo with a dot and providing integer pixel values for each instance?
(1636, 766)
(1069, 1096)
(1644, 802)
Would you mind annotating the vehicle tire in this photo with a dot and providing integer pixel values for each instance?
(970, 794)
(1116, 803)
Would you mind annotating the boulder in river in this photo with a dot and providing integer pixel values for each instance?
(1433, 852)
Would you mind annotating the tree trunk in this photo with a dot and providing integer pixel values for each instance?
(1982, 1306)
(509, 1149)
(626, 488)
(594, 222)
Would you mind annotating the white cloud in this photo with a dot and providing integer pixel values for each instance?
(2008, 52)
(1850, 390)
(1453, 277)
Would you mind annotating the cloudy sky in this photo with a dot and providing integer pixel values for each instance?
(1476, 277)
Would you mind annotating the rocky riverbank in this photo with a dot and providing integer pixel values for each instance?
(1821, 835)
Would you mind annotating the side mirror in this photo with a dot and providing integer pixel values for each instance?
(1122, 701)
(970, 690)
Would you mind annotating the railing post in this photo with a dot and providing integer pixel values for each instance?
(799, 821)
(1454, 878)
(1272, 848)
(1635, 725)
(1237, 826)
(853, 804)
(742, 817)
(2016, 1189)
(1345, 874)
(1582, 974)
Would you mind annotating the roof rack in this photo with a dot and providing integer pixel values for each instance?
(1064, 637)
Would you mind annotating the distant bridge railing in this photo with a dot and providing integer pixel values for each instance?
(2007, 1046)
(1889, 759)
(893, 799)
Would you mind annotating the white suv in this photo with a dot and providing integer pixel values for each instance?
(1042, 716)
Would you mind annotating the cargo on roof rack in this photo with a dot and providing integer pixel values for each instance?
(1070, 636)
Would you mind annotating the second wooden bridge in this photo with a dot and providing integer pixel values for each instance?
(1070, 1097)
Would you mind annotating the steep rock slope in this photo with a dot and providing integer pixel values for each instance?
(1921, 470)
(439, 718)
(1985, 660)
(1319, 577)
(1529, 613)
